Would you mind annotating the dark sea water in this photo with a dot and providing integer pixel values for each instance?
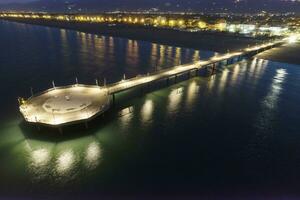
(234, 134)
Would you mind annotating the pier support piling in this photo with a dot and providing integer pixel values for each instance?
(113, 99)
(148, 86)
(31, 91)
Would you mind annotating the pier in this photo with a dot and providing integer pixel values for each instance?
(78, 103)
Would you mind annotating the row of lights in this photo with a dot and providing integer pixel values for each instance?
(154, 21)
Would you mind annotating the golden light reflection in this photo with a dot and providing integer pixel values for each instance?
(100, 50)
(193, 91)
(196, 56)
(132, 53)
(259, 70)
(162, 51)
(175, 98)
(211, 82)
(235, 74)
(223, 80)
(169, 52)
(110, 47)
(253, 66)
(65, 45)
(177, 59)
(126, 115)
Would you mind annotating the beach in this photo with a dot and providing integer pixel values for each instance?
(288, 53)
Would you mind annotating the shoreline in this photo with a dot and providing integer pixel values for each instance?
(288, 53)
(211, 41)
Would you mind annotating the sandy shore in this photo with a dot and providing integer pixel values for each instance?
(218, 42)
(289, 53)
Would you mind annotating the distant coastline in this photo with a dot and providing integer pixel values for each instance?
(213, 41)
(288, 53)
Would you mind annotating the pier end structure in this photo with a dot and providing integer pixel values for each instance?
(60, 106)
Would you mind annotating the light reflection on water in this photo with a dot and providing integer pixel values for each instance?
(259, 147)
(269, 103)
(192, 92)
(175, 98)
(40, 157)
(250, 94)
(61, 161)
(147, 110)
(223, 80)
(93, 155)
(65, 161)
(125, 116)
(61, 55)
(235, 73)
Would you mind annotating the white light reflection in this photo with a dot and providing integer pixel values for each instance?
(93, 155)
(40, 157)
(147, 110)
(175, 98)
(65, 161)
(266, 117)
(271, 99)
(269, 103)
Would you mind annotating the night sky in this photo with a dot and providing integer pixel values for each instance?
(163, 5)
(15, 1)
(218, 1)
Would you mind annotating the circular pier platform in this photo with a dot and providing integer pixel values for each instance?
(61, 106)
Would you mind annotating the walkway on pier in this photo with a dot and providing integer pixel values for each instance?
(181, 69)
